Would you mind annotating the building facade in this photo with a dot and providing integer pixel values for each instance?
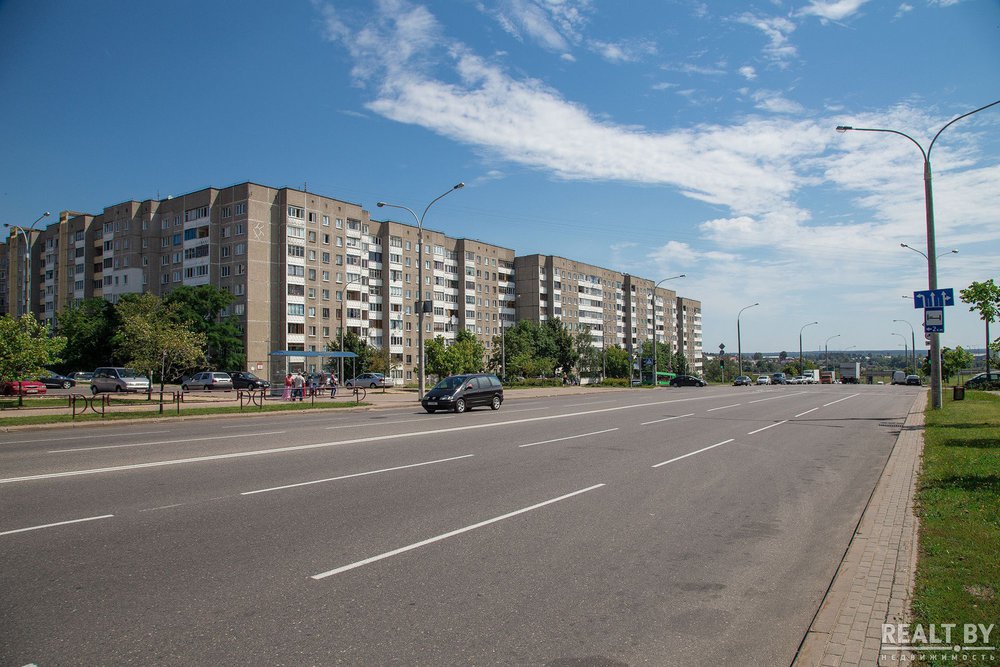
(302, 267)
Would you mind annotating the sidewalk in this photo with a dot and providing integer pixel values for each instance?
(874, 584)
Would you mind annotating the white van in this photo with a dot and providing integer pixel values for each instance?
(898, 377)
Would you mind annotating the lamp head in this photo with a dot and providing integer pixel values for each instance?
(459, 186)
(844, 128)
(380, 204)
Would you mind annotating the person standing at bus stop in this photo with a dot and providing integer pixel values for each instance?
(287, 394)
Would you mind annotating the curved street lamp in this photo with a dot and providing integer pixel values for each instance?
(27, 233)
(420, 278)
(802, 368)
(924, 255)
(655, 378)
(913, 340)
(931, 255)
(905, 351)
(826, 347)
(739, 345)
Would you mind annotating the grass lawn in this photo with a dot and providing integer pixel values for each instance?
(958, 501)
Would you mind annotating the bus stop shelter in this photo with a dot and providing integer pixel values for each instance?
(296, 360)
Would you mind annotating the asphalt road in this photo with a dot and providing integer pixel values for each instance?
(694, 526)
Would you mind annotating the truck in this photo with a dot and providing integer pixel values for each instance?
(827, 377)
(811, 375)
(850, 372)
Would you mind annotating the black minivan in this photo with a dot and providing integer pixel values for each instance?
(461, 392)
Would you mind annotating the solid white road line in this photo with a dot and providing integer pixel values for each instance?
(60, 523)
(357, 474)
(806, 412)
(337, 443)
(734, 405)
(703, 449)
(82, 437)
(784, 421)
(840, 399)
(569, 437)
(444, 536)
(160, 442)
(378, 423)
(774, 398)
(666, 419)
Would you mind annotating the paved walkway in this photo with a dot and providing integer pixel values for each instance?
(875, 581)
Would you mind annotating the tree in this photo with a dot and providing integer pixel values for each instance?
(464, 355)
(616, 362)
(150, 338)
(984, 299)
(87, 327)
(201, 308)
(680, 363)
(352, 343)
(588, 357)
(952, 361)
(26, 348)
(558, 336)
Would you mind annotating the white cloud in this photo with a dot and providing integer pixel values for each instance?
(748, 72)
(774, 102)
(777, 30)
(552, 24)
(624, 52)
(832, 10)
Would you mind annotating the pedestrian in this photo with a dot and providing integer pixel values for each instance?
(313, 384)
(287, 394)
(333, 386)
(297, 383)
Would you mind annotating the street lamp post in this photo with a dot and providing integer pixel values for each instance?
(27, 233)
(913, 340)
(931, 255)
(655, 378)
(343, 316)
(420, 279)
(905, 351)
(739, 344)
(826, 348)
(802, 367)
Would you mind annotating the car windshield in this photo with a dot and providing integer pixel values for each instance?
(453, 382)
(132, 373)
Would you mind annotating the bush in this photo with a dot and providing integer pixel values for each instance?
(533, 382)
(612, 382)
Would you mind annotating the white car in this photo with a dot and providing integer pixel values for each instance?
(370, 380)
(763, 379)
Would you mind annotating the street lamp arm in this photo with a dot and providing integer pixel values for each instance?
(956, 119)
(845, 128)
(459, 186)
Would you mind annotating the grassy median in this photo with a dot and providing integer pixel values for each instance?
(958, 501)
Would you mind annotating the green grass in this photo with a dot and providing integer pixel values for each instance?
(170, 411)
(958, 501)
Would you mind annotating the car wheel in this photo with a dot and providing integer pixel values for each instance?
(184, 387)
(495, 405)
(460, 405)
(118, 388)
(431, 410)
(93, 390)
(66, 384)
(208, 387)
(372, 385)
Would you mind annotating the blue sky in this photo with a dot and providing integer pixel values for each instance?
(651, 137)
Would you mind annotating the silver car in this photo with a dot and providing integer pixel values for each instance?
(114, 378)
(209, 380)
(370, 380)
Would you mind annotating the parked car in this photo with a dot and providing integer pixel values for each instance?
(82, 376)
(763, 379)
(247, 380)
(22, 387)
(898, 377)
(461, 392)
(370, 380)
(913, 379)
(115, 378)
(778, 378)
(982, 381)
(687, 381)
(743, 381)
(208, 380)
(56, 381)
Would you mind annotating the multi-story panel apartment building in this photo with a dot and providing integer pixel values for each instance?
(303, 267)
(617, 308)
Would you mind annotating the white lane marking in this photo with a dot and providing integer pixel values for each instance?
(734, 405)
(353, 441)
(357, 474)
(82, 437)
(160, 442)
(528, 409)
(569, 437)
(576, 405)
(703, 449)
(840, 399)
(60, 523)
(806, 412)
(666, 419)
(784, 421)
(444, 536)
(773, 398)
(378, 423)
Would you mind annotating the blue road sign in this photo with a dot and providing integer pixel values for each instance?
(934, 320)
(936, 298)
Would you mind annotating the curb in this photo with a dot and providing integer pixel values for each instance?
(874, 582)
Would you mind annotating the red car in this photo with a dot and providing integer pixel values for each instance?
(23, 387)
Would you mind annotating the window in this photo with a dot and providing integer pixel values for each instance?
(296, 212)
(294, 270)
(296, 309)
(195, 213)
(241, 208)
